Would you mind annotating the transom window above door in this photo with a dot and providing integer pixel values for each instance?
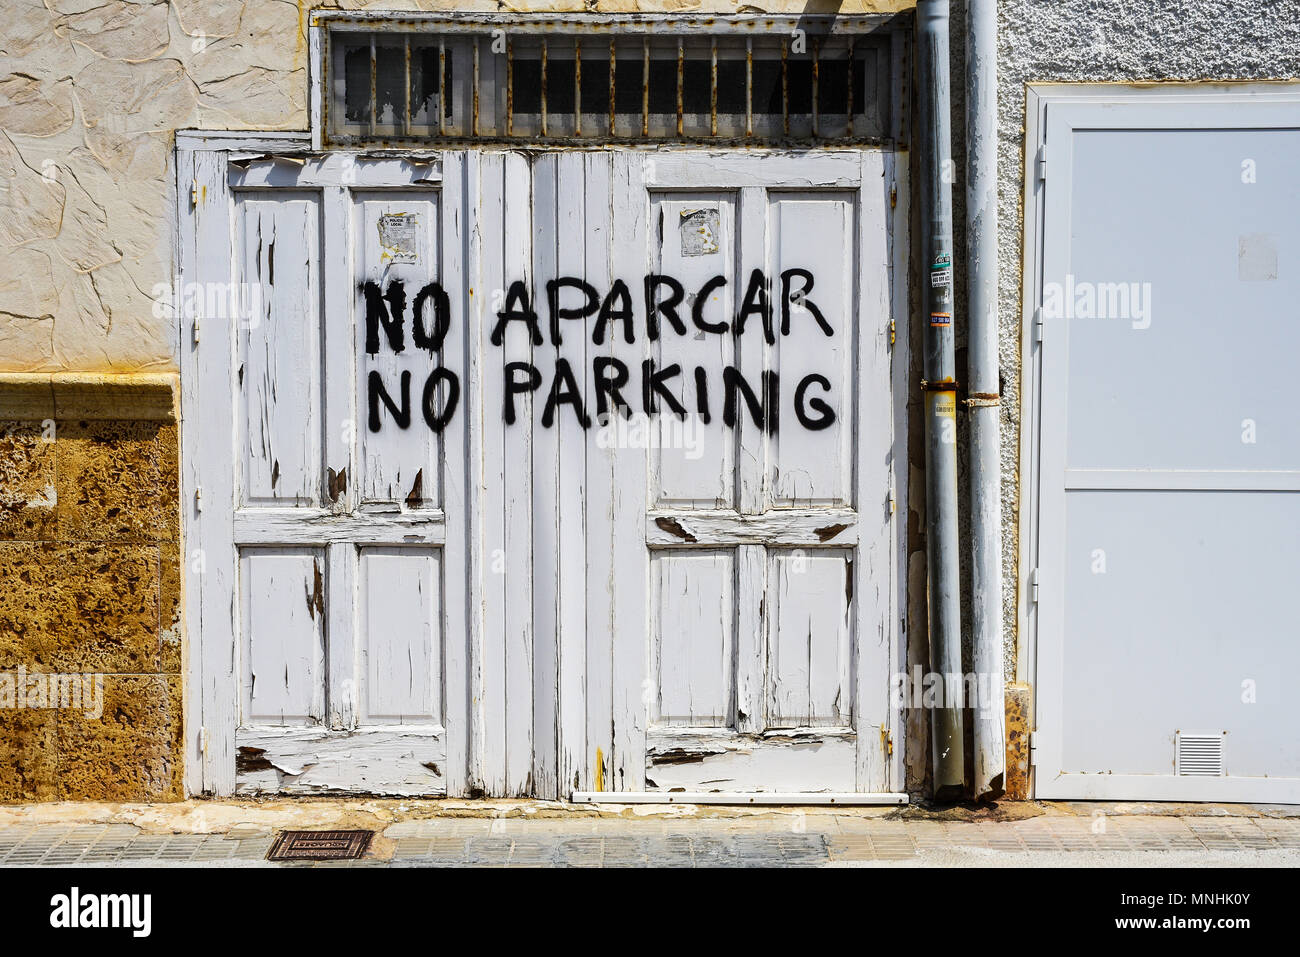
(757, 80)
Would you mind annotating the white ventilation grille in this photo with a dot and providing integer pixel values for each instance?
(1199, 755)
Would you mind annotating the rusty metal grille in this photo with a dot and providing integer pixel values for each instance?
(319, 845)
(749, 80)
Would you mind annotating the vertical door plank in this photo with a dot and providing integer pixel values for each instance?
(486, 228)
(894, 183)
(546, 474)
(630, 559)
(751, 488)
(189, 478)
(603, 236)
(874, 566)
(573, 238)
(456, 561)
(340, 431)
(516, 563)
(209, 419)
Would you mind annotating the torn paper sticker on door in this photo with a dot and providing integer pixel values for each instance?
(699, 228)
(398, 237)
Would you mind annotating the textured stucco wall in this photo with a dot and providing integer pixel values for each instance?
(1097, 40)
(91, 92)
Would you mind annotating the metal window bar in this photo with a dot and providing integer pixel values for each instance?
(545, 68)
(474, 111)
(406, 74)
(785, 86)
(681, 81)
(645, 87)
(442, 87)
(374, 88)
(749, 86)
(612, 63)
(816, 63)
(713, 88)
(577, 87)
(848, 109)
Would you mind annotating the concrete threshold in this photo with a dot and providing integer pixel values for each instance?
(524, 833)
(207, 816)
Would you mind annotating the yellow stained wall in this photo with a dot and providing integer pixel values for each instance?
(90, 585)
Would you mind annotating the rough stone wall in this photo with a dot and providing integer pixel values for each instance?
(90, 585)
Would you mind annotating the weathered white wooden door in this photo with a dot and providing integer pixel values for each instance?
(540, 474)
(718, 470)
(325, 462)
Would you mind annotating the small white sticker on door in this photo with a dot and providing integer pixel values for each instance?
(699, 228)
(398, 237)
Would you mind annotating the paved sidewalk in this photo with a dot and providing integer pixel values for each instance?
(537, 834)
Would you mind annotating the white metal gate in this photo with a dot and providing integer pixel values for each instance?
(489, 494)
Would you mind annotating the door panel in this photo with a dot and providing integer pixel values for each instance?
(278, 365)
(813, 466)
(693, 638)
(283, 637)
(400, 636)
(1167, 511)
(396, 259)
(809, 635)
(696, 240)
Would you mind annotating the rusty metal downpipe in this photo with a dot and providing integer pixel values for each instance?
(984, 399)
(940, 387)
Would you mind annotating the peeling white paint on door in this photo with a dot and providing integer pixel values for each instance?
(332, 568)
(766, 558)
(418, 588)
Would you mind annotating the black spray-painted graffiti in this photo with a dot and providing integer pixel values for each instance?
(386, 311)
(664, 307)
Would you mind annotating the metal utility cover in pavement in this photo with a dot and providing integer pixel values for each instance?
(319, 845)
